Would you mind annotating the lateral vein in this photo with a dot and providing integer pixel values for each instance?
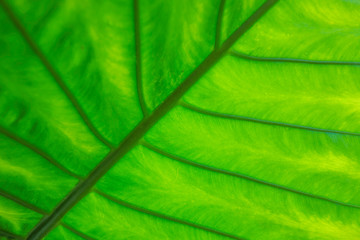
(26, 36)
(243, 176)
(267, 122)
(87, 237)
(9, 235)
(166, 217)
(138, 59)
(219, 24)
(290, 60)
(22, 202)
(38, 151)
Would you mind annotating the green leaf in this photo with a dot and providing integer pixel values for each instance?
(215, 119)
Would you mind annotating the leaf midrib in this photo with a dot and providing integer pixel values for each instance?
(140, 130)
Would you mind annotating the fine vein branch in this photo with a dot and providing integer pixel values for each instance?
(132, 139)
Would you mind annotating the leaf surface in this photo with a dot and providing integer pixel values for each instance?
(179, 119)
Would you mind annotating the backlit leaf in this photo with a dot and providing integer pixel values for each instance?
(205, 119)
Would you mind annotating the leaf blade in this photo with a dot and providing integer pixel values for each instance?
(82, 189)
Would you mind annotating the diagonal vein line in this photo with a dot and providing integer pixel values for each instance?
(77, 232)
(139, 84)
(219, 24)
(52, 71)
(9, 235)
(290, 60)
(166, 217)
(37, 151)
(267, 122)
(243, 176)
(22, 203)
(139, 131)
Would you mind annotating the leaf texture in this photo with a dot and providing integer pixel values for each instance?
(179, 119)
